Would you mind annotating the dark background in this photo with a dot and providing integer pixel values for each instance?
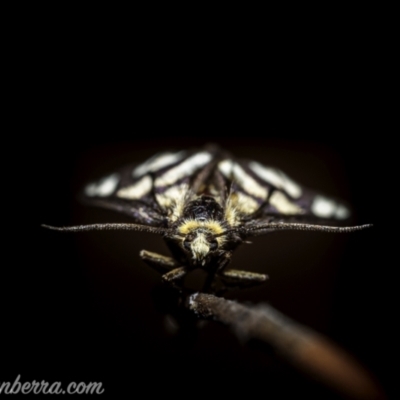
(81, 307)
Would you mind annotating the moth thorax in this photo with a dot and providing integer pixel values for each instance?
(203, 208)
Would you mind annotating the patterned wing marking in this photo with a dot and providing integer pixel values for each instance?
(282, 203)
(246, 195)
(184, 169)
(288, 198)
(137, 190)
(234, 172)
(158, 162)
(276, 178)
(104, 187)
(324, 207)
(130, 190)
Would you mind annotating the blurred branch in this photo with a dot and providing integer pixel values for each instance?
(303, 348)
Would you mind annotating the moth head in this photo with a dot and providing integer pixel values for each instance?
(201, 245)
(200, 240)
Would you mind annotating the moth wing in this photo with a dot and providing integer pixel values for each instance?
(259, 192)
(124, 193)
(147, 192)
(288, 200)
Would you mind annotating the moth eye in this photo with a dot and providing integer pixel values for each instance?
(213, 245)
(187, 244)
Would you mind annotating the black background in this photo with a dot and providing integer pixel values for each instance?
(80, 307)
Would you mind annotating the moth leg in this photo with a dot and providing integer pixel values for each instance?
(235, 277)
(160, 263)
(172, 272)
(211, 284)
(174, 277)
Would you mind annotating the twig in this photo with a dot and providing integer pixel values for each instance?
(303, 348)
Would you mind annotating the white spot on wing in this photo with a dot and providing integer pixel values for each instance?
(283, 204)
(225, 167)
(327, 208)
(183, 169)
(104, 187)
(277, 178)
(342, 212)
(137, 190)
(157, 162)
(248, 183)
(235, 172)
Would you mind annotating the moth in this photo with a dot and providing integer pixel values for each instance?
(205, 203)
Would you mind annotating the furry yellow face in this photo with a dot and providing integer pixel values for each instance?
(201, 238)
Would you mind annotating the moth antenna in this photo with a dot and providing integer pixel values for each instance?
(285, 226)
(109, 227)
